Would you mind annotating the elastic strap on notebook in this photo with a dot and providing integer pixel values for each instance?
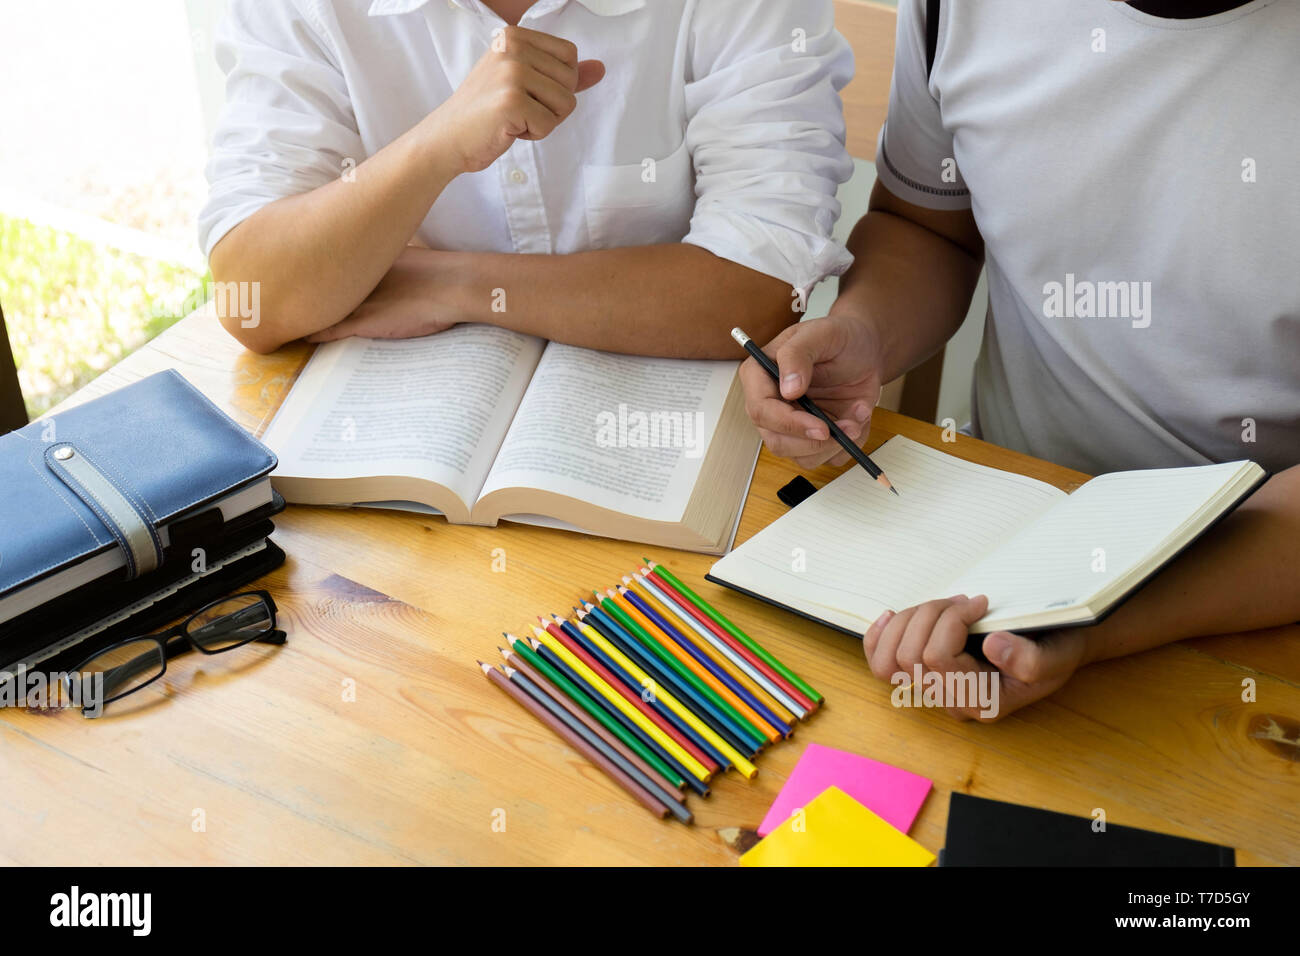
(133, 531)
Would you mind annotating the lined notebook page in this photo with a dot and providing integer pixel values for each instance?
(1105, 530)
(853, 550)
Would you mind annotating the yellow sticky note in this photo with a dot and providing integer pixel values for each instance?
(836, 830)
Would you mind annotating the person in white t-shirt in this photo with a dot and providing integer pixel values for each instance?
(1129, 175)
(625, 175)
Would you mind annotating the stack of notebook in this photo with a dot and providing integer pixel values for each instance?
(123, 513)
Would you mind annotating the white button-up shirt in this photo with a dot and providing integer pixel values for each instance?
(718, 123)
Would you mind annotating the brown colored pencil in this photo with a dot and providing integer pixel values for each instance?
(518, 663)
(587, 750)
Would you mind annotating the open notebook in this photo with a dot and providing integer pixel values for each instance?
(1044, 558)
(483, 424)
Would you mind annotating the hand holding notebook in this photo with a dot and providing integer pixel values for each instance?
(1045, 558)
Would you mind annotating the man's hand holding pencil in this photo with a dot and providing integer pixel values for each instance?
(833, 361)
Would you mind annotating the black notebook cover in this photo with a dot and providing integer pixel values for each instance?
(231, 579)
(992, 833)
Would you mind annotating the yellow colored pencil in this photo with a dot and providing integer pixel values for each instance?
(638, 587)
(760, 727)
(672, 703)
(614, 697)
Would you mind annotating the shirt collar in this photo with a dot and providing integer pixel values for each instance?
(602, 8)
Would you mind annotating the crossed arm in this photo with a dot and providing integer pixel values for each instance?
(335, 262)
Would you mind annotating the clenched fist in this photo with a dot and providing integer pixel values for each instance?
(523, 88)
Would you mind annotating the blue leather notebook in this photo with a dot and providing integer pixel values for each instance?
(91, 493)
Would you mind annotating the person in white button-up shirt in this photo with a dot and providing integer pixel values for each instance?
(619, 174)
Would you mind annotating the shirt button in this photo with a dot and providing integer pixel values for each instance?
(518, 176)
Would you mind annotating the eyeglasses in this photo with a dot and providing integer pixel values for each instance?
(127, 666)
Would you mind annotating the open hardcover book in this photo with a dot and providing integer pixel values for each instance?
(484, 424)
(1045, 558)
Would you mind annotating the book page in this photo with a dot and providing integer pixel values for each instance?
(435, 408)
(1105, 530)
(853, 550)
(622, 432)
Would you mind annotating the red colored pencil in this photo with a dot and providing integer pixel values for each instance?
(632, 698)
(706, 621)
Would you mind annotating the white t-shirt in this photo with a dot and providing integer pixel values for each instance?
(1137, 184)
(718, 123)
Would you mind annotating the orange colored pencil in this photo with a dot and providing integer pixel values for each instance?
(760, 726)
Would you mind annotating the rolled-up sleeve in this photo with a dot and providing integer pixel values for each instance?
(287, 126)
(914, 155)
(765, 130)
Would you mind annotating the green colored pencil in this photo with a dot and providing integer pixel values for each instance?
(739, 725)
(579, 697)
(734, 631)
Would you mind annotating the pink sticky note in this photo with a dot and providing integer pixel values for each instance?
(893, 795)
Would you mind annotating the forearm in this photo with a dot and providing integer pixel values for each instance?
(1242, 576)
(909, 285)
(316, 256)
(676, 300)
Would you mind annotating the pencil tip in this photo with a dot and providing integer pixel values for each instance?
(895, 491)
(486, 667)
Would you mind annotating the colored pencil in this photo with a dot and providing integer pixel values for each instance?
(697, 784)
(632, 694)
(669, 798)
(593, 717)
(738, 659)
(718, 620)
(665, 680)
(606, 621)
(602, 621)
(708, 708)
(638, 686)
(760, 711)
(736, 759)
(642, 628)
(689, 656)
(719, 632)
(655, 806)
(628, 707)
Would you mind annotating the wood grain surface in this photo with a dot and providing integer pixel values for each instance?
(371, 736)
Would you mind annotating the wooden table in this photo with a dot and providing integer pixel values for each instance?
(270, 763)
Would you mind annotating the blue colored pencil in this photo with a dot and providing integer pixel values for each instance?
(706, 661)
(633, 648)
(699, 786)
(633, 685)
